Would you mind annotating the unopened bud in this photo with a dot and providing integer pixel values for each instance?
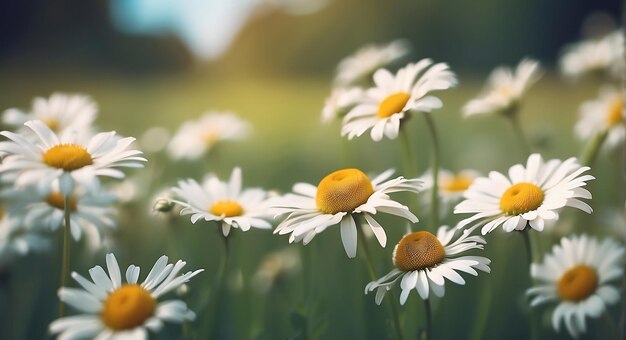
(163, 205)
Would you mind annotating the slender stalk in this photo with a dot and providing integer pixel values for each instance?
(409, 160)
(408, 156)
(219, 279)
(611, 326)
(65, 265)
(348, 152)
(7, 297)
(519, 133)
(590, 152)
(534, 326)
(528, 246)
(213, 294)
(427, 333)
(370, 268)
(436, 156)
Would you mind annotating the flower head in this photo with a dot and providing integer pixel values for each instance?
(338, 199)
(505, 89)
(594, 55)
(578, 275)
(194, 138)
(451, 186)
(223, 202)
(114, 309)
(67, 158)
(61, 112)
(394, 96)
(275, 267)
(531, 195)
(90, 212)
(16, 239)
(423, 261)
(362, 64)
(606, 113)
(339, 102)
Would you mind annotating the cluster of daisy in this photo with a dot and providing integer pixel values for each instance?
(52, 164)
(529, 197)
(54, 159)
(51, 168)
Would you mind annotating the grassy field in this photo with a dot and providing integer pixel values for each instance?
(288, 145)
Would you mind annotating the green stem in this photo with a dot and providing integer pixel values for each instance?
(590, 152)
(7, 297)
(370, 268)
(436, 156)
(483, 312)
(212, 295)
(534, 322)
(528, 246)
(408, 156)
(611, 326)
(349, 153)
(65, 265)
(427, 332)
(519, 132)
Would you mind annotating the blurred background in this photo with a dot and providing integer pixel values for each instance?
(160, 62)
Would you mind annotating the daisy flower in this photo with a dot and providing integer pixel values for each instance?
(423, 261)
(338, 199)
(531, 195)
(577, 275)
(194, 138)
(275, 267)
(16, 239)
(61, 112)
(116, 310)
(451, 186)
(505, 89)
(340, 101)
(89, 211)
(66, 158)
(391, 100)
(368, 59)
(223, 202)
(594, 55)
(604, 114)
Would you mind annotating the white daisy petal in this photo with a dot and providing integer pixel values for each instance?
(530, 196)
(233, 207)
(425, 262)
(572, 277)
(383, 107)
(313, 209)
(349, 235)
(103, 318)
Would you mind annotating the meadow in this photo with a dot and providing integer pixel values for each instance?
(323, 297)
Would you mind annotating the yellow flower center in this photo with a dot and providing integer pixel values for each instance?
(52, 123)
(210, 137)
(343, 190)
(392, 104)
(68, 157)
(226, 208)
(616, 112)
(503, 92)
(127, 307)
(457, 183)
(57, 200)
(521, 198)
(417, 251)
(577, 283)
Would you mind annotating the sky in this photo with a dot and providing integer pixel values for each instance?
(207, 27)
